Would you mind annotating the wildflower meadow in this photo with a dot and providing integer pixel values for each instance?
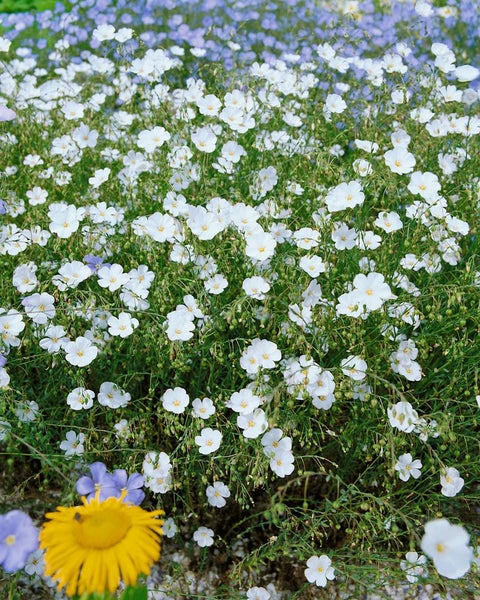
(239, 299)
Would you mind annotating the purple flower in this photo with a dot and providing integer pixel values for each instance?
(94, 263)
(100, 481)
(131, 485)
(18, 539)
(6, 114)
(108, 484)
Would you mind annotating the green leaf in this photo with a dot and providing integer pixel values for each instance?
(135, 593)
(15, 6)
(94, 596)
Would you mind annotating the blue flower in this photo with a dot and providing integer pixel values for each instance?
(107, 484)
(131, 485)
(18, 539)
(101, 481)
(94, 263)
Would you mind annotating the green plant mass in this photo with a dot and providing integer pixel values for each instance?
(239, 299)
(17, 6)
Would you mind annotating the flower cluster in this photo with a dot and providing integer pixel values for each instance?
(103, 485)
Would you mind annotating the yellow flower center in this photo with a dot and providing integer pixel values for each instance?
(9, 540)
(102, 529)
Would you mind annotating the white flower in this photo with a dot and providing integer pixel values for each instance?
(64, 219)
(260, 354)
(176, 400)
(256, 287)
(24, 278)
(209, 440)
(39, 307)
(169, 528)
(159, 481)
(4, 381)
(424, 9)
(99, 177)
(73, 444)
(407, 467)
(318, 570)
(11, 325)
(123, 34)
(209, 105)
(203, 536)
(334, 104)
(425, 184)
(414, 566)
(399, 160)
(217, 493)
(27, 412)
(451, 482)
(54, 339)
(362, 167)
(260, 246)
(71, 274)
(73, 110)
(348, 304)
(344, 195)
(274, 441)
(112, 396)
(244, 401)
(80, 398)
(151, 139)
(204, 139)
(112, 277)
(403, 416)
(371, 290)
(465, 73)
(4, 44)
(306, 238)
(281, 461)
(354, 367)
(36, 196)
(216, 284)
(122, 429)
(156, 461)
(313, 265)
(447, 545)
(253, 424)
(35, 564)
(388, 221)
(203, 408)
(258, 593)
(122, 326)
(104, 32)
(179, 326)
(81, 352)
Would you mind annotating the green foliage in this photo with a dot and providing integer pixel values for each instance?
(16, 6)
(139, 592)
(344, 497)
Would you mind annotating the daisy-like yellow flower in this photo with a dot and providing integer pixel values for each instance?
(91, 548)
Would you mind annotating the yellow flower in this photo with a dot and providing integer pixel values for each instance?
(91, 548)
